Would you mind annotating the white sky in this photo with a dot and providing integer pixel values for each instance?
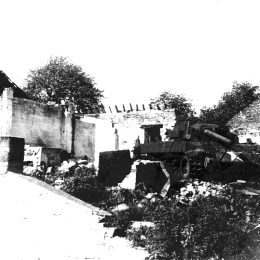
(135, 49)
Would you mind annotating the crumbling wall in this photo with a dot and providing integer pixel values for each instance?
(119, 130)
(128, 124)
(38, 124)
(102, 136)
(47, 126)
(51, 127)
(84, 142)
(246, 124)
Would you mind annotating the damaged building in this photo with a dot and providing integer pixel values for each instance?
(56, 131)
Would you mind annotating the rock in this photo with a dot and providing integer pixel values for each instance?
(90, 165)
(58, 184)
(144, 201)
(49, 170)
(149, 195)
(139, 224)
(29, 170)
(154, 199)
(82, 161)
(65, 166)
(120, 207)
(140, 205)
(183, 189)
(190, 187)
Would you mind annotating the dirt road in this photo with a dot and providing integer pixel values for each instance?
(38, 222)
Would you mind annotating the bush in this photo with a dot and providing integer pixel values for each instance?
(83, 184)
(209, 227)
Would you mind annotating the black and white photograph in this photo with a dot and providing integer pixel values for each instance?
(130, 129)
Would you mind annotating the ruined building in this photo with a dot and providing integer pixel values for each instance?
(57, 128)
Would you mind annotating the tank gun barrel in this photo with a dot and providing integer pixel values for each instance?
(219, 138)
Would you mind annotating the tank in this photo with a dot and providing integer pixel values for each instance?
(189, 147)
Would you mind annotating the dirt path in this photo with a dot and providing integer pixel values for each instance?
(38, 222)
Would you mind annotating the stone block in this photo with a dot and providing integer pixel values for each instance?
(114, 166)
(151, 174)
(11, 154)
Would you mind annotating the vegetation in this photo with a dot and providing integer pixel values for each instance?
(181, 105)
(211, 227)
(60, 81)
(222, 225)
(242, 95)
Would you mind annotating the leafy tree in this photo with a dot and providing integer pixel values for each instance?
(181, 105)
(241, 96)
(60, 80)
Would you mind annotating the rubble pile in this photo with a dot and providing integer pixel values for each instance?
(195, 189)
(56, 175)
(134, 211)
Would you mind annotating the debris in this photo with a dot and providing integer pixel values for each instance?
(149, 195)
(253, 190)
(82, 161)
(58, 184)
(120, 207)
(194, 189)
(247, 192)
(49, 170)
(114, 166)
(66, 166)
(29, 170)
(153, 175)
(130, 180)
(139, 224)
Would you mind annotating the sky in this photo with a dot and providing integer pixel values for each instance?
(135, 49)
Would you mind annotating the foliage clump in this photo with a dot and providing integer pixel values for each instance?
(178, 102)
(210, 227)
(83, 184)
(61, 81)
(231, 103)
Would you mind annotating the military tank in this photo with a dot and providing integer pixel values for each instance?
(190, 147)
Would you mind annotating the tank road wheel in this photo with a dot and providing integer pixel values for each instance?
(185, 167)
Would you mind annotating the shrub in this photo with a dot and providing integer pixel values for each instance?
(83, 185)
(209, 227)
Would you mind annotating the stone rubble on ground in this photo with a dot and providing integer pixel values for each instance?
(66, 166)
(120, 207)
(139, 224)
(194, 189)
(58, 184)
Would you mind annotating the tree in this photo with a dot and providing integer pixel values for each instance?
(60, 80)
(181, 105)
(241, 96)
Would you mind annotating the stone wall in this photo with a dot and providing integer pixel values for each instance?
(246, 124)
(38, 124)
(46, 126)
(56, 127)
(84, 142)
(127, 125)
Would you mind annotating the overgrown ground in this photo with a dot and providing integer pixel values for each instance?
(214, 217)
